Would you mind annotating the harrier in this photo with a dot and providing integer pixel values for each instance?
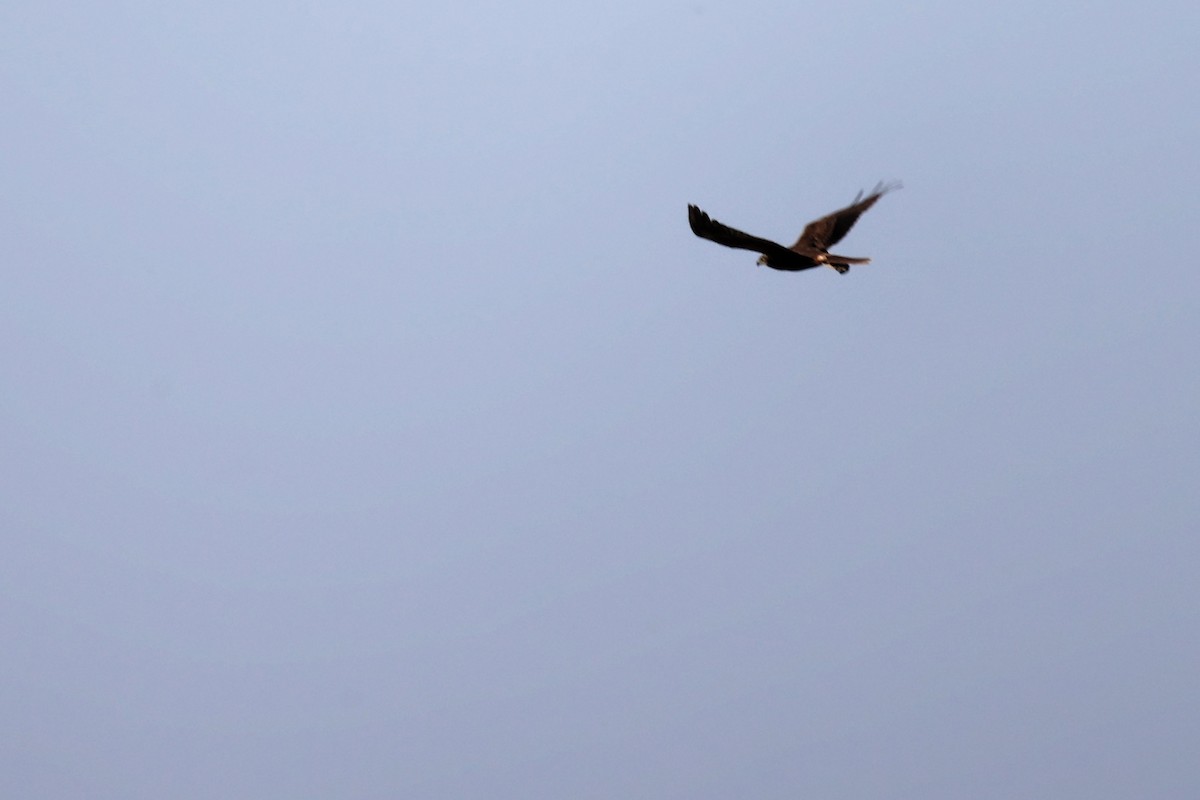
(810, 250)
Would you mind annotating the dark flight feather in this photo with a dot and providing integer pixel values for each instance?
(827, 231)
(706, 227)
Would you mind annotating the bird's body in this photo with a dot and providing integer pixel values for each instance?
(810, 250)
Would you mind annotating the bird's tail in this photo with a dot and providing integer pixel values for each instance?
(842, 263)
(832, 259)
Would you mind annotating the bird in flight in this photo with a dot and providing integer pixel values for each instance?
(810, 250)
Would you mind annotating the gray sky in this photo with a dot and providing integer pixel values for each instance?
(373, 426)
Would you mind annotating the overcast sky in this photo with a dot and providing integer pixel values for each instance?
(373, 426)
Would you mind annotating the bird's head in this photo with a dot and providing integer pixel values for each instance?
(761, 260)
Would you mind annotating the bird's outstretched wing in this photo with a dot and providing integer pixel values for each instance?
(827, 231)
(706, 227)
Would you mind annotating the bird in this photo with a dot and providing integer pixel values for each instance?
(810, 250)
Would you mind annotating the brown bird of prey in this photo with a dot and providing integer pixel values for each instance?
(810, 250)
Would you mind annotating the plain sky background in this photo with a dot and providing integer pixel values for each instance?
(373, 426)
